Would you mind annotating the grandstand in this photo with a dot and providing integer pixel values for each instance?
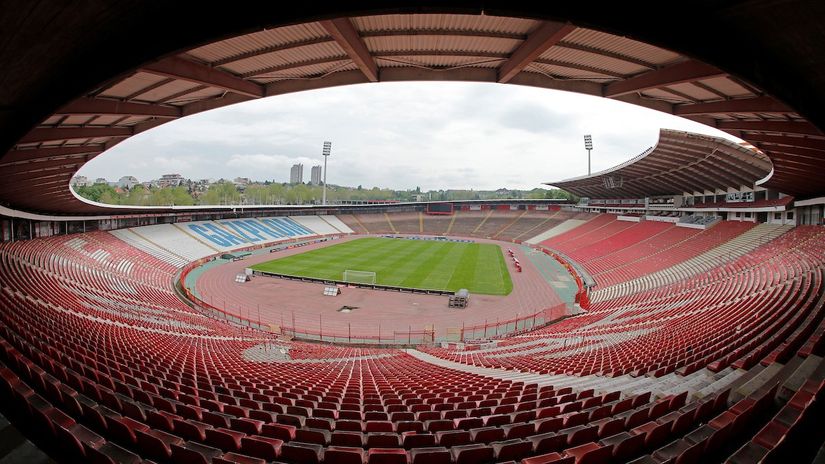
(702, 340)
(599, 380)
(485, 222)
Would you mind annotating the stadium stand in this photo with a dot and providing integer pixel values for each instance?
(316, 224)
(740, 288)
(139, 242)
(558, 229)
(405, 223)
(533, 221)
(179, 244)
(627, 257)
(503, 225)
(171, 241)
(694, 255)
(336, 223)
(466, 222)
(710, 352)
(632, 234)
(567, 241)
(437, 225)
(497, 220)
(109, 377)
(354, 224)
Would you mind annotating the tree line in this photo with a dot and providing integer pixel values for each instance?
(228, 193)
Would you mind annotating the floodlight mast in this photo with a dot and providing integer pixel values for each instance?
(588, 145)
(325, 152)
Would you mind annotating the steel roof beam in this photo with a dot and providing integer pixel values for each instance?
(548, 34)
(191, 71)
(685, 184)
(632, 189)
(344, 33)
(722, 180)
(369, 34)
(294, 65)
(810, 156)
(741, 105)
(813, 144)
(706, 165)
(54, 134)
(444, 32)
(648, 185)
(97, 106)
(45, 165)
(578, 67)
(607, 53)
(785, 127)
(33, 154)
(30, 176)
(270, 49)
(741, 170)
(182, 93)
(760, 166)
(148, 88)
(686, 71)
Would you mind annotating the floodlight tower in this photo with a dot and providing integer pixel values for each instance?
(325, 152)
(588, 145)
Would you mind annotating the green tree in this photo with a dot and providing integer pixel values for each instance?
(257, 195)
(221, 193)
(96, 193)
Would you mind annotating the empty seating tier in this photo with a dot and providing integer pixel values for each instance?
(102, 361)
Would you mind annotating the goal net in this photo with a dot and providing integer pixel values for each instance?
(359, 277)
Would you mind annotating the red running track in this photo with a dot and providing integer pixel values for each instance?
(277, 301)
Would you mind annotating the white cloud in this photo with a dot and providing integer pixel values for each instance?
(399, 135)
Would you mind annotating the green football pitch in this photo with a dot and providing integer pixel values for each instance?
(422, 264)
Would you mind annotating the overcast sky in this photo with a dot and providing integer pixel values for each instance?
(399, 135)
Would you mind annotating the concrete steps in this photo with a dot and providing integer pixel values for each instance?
(490, 213)
(811, 367)
(565, 226)
(507, 226)
(626, 384)
(389, 221)
(775, 372)
(720, 384)
(17, 449)
(536, 227)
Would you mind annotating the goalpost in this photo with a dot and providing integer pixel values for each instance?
(359, 277)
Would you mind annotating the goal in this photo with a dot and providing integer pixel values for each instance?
(359, 277)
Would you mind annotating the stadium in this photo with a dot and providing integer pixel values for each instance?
(674, 313)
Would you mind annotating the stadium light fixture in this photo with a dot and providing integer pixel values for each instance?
(588, 145)
(326, 152)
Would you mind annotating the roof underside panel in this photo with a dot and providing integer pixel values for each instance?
(392, 47)
(438, 61)
(131, 85)
(227, 49)
(693, 91)
(307, 71)
(680, 162)
(165, 91)
(251, 66)
(728, 87)
(570, 71)
(427, 22)
(444, 44)
(623, 46)
(593, 60)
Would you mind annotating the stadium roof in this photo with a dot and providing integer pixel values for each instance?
(77, 81)
(681, 162)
